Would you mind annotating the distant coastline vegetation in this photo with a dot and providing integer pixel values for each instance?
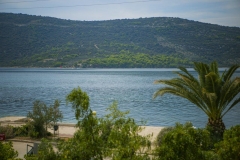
(122, 60)
(36, 41)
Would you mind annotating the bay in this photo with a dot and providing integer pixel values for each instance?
(131, 88)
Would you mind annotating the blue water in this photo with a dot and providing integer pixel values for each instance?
(131, 88)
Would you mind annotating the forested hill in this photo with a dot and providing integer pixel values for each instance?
(36, 41)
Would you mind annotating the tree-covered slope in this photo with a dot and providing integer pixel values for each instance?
(146, 42)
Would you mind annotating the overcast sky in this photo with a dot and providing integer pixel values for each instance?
(222, 12)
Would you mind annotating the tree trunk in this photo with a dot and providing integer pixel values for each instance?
(216, 127)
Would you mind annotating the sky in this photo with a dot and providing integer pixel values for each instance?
(221, 12)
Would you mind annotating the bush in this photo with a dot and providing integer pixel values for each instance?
(45, 151)
(31, 157)
(21, 130)
(229, 148)
(33, 134)
(161, 134)
(7, 130)
(215, 136)
(184, 142)
(6, 151)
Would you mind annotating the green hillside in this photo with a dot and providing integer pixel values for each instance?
(35, 41)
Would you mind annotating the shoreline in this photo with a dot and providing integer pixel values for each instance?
(68, 129)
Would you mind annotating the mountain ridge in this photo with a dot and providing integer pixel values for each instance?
(36, 41)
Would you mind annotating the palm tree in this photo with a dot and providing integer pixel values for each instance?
(213, 93)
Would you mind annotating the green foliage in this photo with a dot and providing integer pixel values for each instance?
(48, 42)
(43, 117)
(35, 134)
(6, 151)
(139, 60)
(31, 157)
(213, 93)
(161, 135)
(229, 148)
(123, 137)
(114, 135)
(215, 136)
(8, 131)
(55, 113)
(58, 64)
(184, 142)
(86, 143)
(82, 146)
(22, 130)
(38, 117)
(80, 102)
(45, 151)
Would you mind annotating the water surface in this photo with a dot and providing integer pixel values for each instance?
(131, 88)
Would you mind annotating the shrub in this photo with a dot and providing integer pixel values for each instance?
(33, 134)
(7, 130)
(161, 134)
(6, 151)
(184, 142)
(214, 136)
(22, 130)
(45, 151)
(31, 157)
(229, 148)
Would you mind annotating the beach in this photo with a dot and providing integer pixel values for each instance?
(67, 129)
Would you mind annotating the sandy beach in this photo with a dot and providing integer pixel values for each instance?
(67, 130)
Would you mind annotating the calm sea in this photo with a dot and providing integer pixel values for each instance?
(131, 88)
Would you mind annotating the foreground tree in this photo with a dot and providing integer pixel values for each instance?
(43, 117)
(115, 135)
(184, 142)
(213, 93)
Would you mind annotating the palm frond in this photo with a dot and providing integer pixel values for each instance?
(180, 84)
(232, 105)
(210, 102)
(227, 75)
(229, 91)
(192, 87)
(188, 77)
(211, 82)
(214, 68)
(184, 94)
(179, 89)
(210, 92)
(185, 71)
(202, 69)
